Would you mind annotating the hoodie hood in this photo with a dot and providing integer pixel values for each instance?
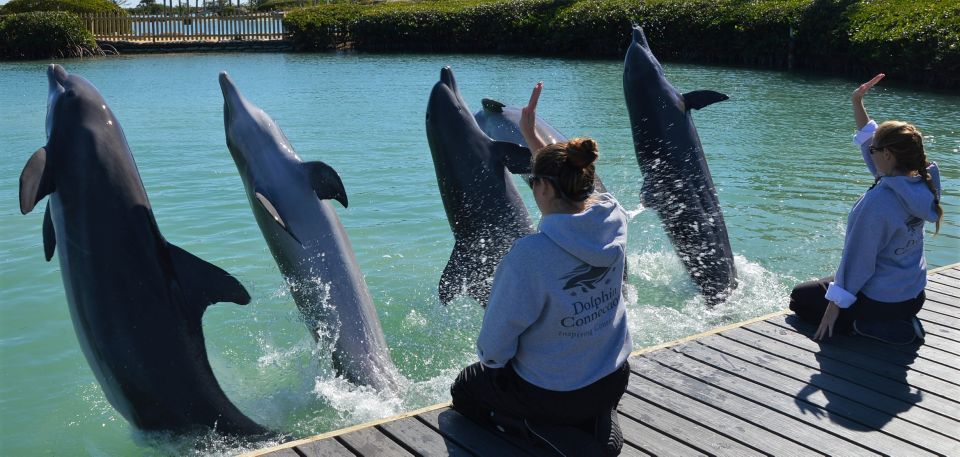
(597, 236)
(914, 194)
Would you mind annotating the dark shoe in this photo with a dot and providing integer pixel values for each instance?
(565, 440)
(607, 433)
(896, 332)
(918, 328)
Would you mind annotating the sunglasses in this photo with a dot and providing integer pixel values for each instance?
(874, 149)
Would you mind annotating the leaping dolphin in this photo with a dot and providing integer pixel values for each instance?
(676, 181)
(289, 201)
(501, 122)
(483, 207)
(136, 301)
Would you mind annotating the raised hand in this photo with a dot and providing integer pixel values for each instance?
(862, 90)
(528, 120)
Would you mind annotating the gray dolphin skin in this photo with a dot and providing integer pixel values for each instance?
(289, 201)
(676, 180)
(483, 207)
(502, 123)
(136, 301)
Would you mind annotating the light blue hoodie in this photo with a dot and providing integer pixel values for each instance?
(556, 311)
(883, 248)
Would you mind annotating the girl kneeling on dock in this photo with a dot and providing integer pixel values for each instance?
(877, 290)
(554, 342)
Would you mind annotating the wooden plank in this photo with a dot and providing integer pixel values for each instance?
(865, 363)
(650, 413)
(747, 380)
(474, 437)
(905, 355)
(716, 419)
(944, 320)
(701, 387)
(422, 440)
(951, 272)
(286, 452)
(945, 280)
(880, 407)
(370, 441)
(652, 441)
(879, 430)
(943, 289)
(324, 448)
(936, 305)
(951, 336)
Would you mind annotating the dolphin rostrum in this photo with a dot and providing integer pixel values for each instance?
(676, 180)
(289, 201)
(483, 207)
(136, 301)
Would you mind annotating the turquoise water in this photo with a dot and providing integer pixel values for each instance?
(779, 151)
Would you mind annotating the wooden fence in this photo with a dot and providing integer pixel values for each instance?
(184, 27)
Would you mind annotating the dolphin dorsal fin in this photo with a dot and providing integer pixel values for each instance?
(326, 182)
(492, 105)
(702, 98)
(49, 235)
(515, 157)
(34, 183)
(203, 283)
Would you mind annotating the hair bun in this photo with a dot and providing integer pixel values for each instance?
(582, 152)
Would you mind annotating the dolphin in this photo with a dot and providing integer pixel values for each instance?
(289, 201)
(136, 300)
(483, 207)
(502, 123)
(677, 182)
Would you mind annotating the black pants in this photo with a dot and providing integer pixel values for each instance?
(478, 390)
(808, 302)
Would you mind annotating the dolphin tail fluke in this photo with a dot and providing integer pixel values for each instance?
(515, 157)
(702, 98)
(34, 183)
(204, 283)
(326, 182)
(49, 235)
(465, 275)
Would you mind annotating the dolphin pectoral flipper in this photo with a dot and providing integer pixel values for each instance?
(34, 185)
(203, 282)
(326, 182)
(272, 210)
(49, 235)
(515, 157)
(702, 98)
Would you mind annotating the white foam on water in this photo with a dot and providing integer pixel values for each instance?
(663, 304)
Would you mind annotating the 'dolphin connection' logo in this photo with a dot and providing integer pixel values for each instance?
(586, 278)
(595, 303)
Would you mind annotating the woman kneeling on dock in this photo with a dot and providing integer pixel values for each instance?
(877, 290)
(554, 343)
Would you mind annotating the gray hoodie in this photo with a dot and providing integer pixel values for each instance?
(883, 247)
(556, 312)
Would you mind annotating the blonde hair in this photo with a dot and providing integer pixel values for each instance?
(570, 164)
(905, 143)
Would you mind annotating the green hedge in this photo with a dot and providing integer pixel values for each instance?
(913, 40)
(43, 35)
(72, 6)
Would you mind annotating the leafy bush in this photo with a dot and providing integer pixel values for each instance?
(44, 34)
(915, 40)
(72, 6)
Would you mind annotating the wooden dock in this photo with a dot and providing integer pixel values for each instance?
(761, 387)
